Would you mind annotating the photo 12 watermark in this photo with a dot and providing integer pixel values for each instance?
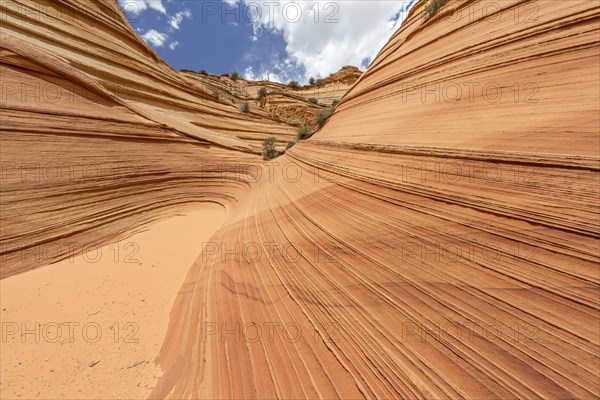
(88, 253)
(255, 252)
(469, 332)
(487, 11)
(267, 12)
(289, 171)
(69, 332)
(269, 332)
(470, 91)
(64, 93)
(29, 172)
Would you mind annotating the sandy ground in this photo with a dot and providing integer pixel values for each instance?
(111, 305)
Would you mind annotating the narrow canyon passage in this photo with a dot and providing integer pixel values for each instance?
(109, 304)
(407, 290)
(438, 237)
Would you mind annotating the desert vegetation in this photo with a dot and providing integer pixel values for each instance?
(322, 116)
(292, 121)
(291, 144)
(431, 8)
(303, 132)
(269, 151)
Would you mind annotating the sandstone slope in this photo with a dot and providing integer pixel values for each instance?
(281, 102)
(448, 247)
(438, 238)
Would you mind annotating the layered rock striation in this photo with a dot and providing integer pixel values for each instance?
(437, 238)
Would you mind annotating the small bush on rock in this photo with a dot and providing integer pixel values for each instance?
(268, 148)
(323, 115)
(303, 132)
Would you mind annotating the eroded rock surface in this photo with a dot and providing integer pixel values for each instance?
(437, 238)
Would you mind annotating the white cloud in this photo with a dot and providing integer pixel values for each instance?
(249, 74)
(173, 45)
(155, 38)
(338, 34)
(176, 19)
(263, 75)
(135, 7)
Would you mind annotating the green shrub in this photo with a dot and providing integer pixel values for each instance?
(294, 85)
(323, 115)
(292, 121)
(290, 144)
(245, 107)
(320, 82)
(216, 94)
(303, 132)
(431, 8)
(262, 92)
(235, 75)
(268, 148)
(311, 81)
(203, 72)
(335, 102)
(313, 100)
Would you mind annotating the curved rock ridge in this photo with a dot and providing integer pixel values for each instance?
(88, 98)
(99, 135)
(74, 70)
(426, 243)
(437, 238)
(64, 37)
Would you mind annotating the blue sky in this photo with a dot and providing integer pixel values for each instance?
(275, 40)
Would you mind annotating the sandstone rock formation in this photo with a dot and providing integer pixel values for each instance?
(346, 75)
(281, 102)
(438, 238)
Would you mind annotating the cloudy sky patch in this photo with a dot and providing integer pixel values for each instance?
(279, 40)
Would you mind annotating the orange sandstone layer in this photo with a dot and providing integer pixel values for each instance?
(282, 103)
(420, 245)
(99, 135)
(438, 238)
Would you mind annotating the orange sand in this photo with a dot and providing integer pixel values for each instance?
(126, 293)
